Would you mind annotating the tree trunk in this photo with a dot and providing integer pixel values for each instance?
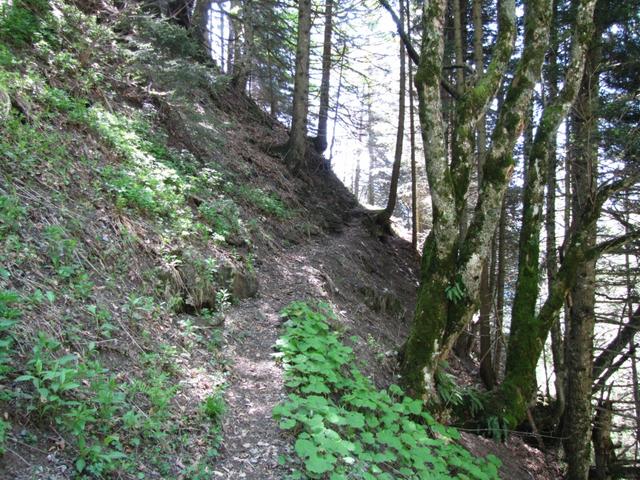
(273, 89)
(636, 396)
(634, 366)
(602, 443)
(438, 319)
(335, 111)
(323, 114)
(415, 216)
(244, 56)
(235, 44)
(527, 337)
(356, 180)
(500, 280)
(296, 149)
(222, 45)
(487, 370)
(385, 216)
(577, 421)
(557, 343)
(200, 21)
(371, 142)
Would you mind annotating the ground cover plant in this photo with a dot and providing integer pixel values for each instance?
(345, 427)
(91, 350)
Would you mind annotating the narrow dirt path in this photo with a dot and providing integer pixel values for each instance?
(252, 441)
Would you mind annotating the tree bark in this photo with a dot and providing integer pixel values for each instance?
(200, 22)
(500, 281)
(335, 111)
(577, 421)
(415, 215)
(526, 338)
(431, 338)
(371, 142)
(434, 332)
(296, 149)
(636, 396)
(557, 342)
(602, 443)
(323, 114)
(384, 217)
(244, 53)
(487, 370)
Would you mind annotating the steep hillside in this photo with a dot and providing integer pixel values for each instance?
(147, 246)
(136, 205)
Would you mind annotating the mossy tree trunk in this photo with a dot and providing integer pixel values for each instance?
(487, 371)
(431, 337)
(526, 339)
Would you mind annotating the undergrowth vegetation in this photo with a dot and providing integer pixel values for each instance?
(108, 227)
(345, 427)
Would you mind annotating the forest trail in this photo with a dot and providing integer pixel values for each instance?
(369, 284)
(252, 441)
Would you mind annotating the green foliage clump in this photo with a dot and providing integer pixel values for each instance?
(268, 203)
(110, 422)
(52, 377)
(9, 315)
(22, 20)
(172, 38)
(456, 291)
(145, 182)
(4, 429)
(61, 250)
(11, 213)
(214, 407)
(224, 218)
(346, 428)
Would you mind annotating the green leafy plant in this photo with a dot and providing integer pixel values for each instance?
(53, 377)
(61, 249)
(11, 214)
(268, 203)
(9, 315)
(456, 291)
(214, 407)
(497, 428)
(22, 20)
(345, 427)
(474, 400)
(448, 390)
(224, 218)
